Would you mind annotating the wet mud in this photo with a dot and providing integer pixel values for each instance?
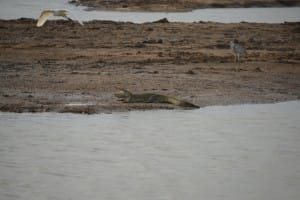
(64, 67)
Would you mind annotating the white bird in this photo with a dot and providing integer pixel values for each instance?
(60, 13)
(237, 49)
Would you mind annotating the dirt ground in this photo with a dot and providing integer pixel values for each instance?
(178, 5)
(65, 67)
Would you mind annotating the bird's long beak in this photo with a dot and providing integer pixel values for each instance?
(68, 18)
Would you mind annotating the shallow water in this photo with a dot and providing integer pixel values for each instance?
(233, 152)
(31, 9)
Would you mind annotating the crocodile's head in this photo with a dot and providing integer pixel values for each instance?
(123, 94)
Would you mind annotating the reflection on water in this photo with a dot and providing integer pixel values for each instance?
(233, 152)
(32, 8)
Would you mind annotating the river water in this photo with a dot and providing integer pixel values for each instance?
(232, 152)
(13, 9)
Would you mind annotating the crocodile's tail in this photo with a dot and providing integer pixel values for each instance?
(181, 103)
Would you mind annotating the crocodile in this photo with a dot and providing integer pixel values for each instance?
(129, 97)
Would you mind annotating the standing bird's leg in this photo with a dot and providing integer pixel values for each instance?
(235, 61)
(238, 59)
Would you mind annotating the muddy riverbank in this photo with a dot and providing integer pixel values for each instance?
(65, 67)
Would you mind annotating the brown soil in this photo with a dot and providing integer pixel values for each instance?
(62, 65)
(178, 5)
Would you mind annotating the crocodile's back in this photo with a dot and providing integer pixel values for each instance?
(142, 98)
(157, 98)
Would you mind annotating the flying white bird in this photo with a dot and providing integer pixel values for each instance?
(60, 13)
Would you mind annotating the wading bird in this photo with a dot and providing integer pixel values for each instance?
(59, 13)
(237, 50)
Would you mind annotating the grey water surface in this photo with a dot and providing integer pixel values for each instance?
(13, 9)
(232, 152)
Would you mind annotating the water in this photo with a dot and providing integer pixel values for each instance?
(234, 152)
(32, 8)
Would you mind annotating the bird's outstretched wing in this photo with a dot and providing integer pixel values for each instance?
(44, 16)
(74, 17)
